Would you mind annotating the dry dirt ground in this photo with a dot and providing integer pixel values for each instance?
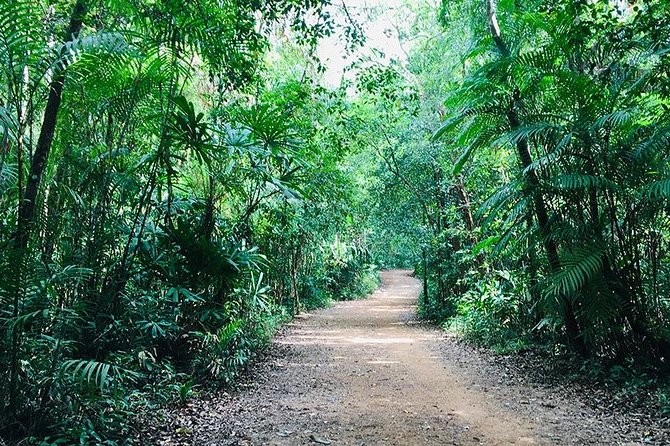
(369, 373)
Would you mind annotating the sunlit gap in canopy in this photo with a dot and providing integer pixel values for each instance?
(380, 22)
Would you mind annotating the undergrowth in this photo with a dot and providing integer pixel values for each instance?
(489, 316)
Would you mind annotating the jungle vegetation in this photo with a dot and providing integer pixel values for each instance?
(177, 179)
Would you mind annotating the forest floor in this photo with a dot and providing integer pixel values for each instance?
(370, 373)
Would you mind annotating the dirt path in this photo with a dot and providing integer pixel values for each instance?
(376, 378)
(367, 373)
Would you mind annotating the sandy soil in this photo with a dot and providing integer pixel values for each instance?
(369, 373)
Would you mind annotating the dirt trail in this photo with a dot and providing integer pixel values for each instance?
(368, 373)
(377, 379)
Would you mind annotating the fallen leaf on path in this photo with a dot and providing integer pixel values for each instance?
(285, 433)
(316, 439)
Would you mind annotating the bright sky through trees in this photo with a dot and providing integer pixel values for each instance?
(379, 20)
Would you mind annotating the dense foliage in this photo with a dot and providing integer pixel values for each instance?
(165, 201)
(532, 141)
(574, 92)
(176, 181)
(520, 155)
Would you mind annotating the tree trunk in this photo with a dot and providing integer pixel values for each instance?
(425, 280)
(295, 268)
(464, 206)
(40, 158)
(532, 185)
(208, 219)
(26, 211)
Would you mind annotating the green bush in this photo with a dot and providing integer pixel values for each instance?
(349, 275)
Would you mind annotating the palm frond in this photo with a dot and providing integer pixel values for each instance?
(540, 131)
(97, 373)
(581, 181)
(579, 266)
(553, 155)
(21, 41)
(657, 189)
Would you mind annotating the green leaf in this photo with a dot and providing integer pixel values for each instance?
(462, 159)
(578, 266)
